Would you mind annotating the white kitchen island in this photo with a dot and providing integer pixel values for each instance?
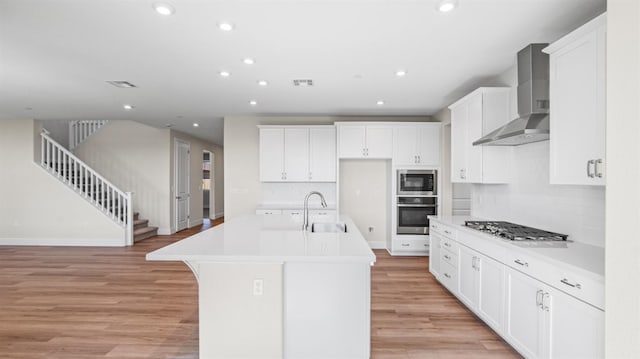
(267, 289)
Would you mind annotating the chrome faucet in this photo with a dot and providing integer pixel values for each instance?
(305, 224)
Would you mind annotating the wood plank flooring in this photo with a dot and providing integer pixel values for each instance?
(89, 303)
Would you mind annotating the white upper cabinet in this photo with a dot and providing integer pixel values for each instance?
(417, 144)
(577, 105)
(297, 154)
(472, 117)
(322, 154)
(365, 141)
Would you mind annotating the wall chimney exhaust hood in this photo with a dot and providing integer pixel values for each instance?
(533, 102)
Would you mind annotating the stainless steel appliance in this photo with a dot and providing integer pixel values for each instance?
(413, 212)
(417, 182)
(514, 232)
(533, 102)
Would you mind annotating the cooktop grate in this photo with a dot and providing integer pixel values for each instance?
(515, 232)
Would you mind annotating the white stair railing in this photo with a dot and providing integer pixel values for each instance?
(88, 183)
(81, 130)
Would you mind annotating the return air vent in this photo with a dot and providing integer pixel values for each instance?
(303, 83)
(122, 84)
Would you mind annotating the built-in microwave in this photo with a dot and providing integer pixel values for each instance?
(417, 182)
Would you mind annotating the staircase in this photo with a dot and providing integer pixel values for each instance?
(141, 228)
(86, 182)
(81, 130)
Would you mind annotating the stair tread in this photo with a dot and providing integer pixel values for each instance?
(140, 221)
(144, 230)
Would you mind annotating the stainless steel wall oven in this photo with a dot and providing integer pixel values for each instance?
(413, 212)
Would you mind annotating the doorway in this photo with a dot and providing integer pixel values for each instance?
(208, 189)
(182, 191)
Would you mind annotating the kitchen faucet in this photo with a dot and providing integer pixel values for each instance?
(305, 224)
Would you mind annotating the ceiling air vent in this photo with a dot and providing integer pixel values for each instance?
(303, 83)
(122, 84)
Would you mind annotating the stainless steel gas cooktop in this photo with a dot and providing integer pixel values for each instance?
(514, 232)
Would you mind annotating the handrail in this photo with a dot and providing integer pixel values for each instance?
(99, 191)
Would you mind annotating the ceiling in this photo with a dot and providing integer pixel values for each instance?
(55, 56)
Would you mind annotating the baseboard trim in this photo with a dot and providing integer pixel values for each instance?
(218, 215)
(196, 222)
(63, 242)
(377, 244)
(164, 231)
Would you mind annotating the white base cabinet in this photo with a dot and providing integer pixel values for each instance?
(531, 303)
(543, 322)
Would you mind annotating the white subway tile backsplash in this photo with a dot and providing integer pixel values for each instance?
(530, 200)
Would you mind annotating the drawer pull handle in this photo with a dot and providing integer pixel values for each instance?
(447, 257)
(405, 244)
(519, 262)
(447, 232)
(566, 281)
(447, 275)
(447, 244)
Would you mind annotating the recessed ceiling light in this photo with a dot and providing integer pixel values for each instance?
(127, 107)
(196, 124)
(225, 73)
(253, 102)
(380, 103)
(168, 125)
(249, 61)
(263, 83)
(401, 73)
(225, 26)
(447, 5)
(164, 8)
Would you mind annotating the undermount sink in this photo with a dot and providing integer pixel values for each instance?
(327, 227)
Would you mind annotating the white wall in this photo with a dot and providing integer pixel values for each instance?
(135, 158)
(530, 200)
(58, 130)
(35, 207)
(365, 196)
(622, 299)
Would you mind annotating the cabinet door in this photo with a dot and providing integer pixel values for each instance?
(474, 132)
(434, 254)
(351, 141)
(271, 155)
(491, 292)
(405, 146)
(577, 110)
(576, 329)
(459, 119)
(524, 322)
(428, 146)
(322, 154)
(379, 140)
(467, 277)
(296, 154)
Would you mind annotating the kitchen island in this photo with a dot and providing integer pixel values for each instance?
(267, 289)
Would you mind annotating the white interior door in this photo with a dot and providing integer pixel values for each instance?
(181, 168)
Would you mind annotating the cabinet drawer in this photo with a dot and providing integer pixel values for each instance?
(585, 289)
(296, 214)
(449, 245)
(268, 211)
(449, 257)
(443, 229)
(321, 215)
(449, 276)
(528, 265)
(413, 245)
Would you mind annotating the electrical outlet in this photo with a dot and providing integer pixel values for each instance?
(258, 286)
(370, 229)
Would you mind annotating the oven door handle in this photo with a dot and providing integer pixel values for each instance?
(418, 205)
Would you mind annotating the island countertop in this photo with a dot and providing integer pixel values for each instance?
(264, 239)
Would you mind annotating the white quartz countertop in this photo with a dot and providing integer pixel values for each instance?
(295, 206)
(583, 258)
(273, 238)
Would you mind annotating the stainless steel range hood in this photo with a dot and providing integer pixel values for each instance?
(533, 102)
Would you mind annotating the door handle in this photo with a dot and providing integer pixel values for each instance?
(178, 197)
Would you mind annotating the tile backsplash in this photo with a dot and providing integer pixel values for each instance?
(578, 211)
(293, 193)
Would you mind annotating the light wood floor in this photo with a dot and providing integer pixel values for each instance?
(87, 303)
